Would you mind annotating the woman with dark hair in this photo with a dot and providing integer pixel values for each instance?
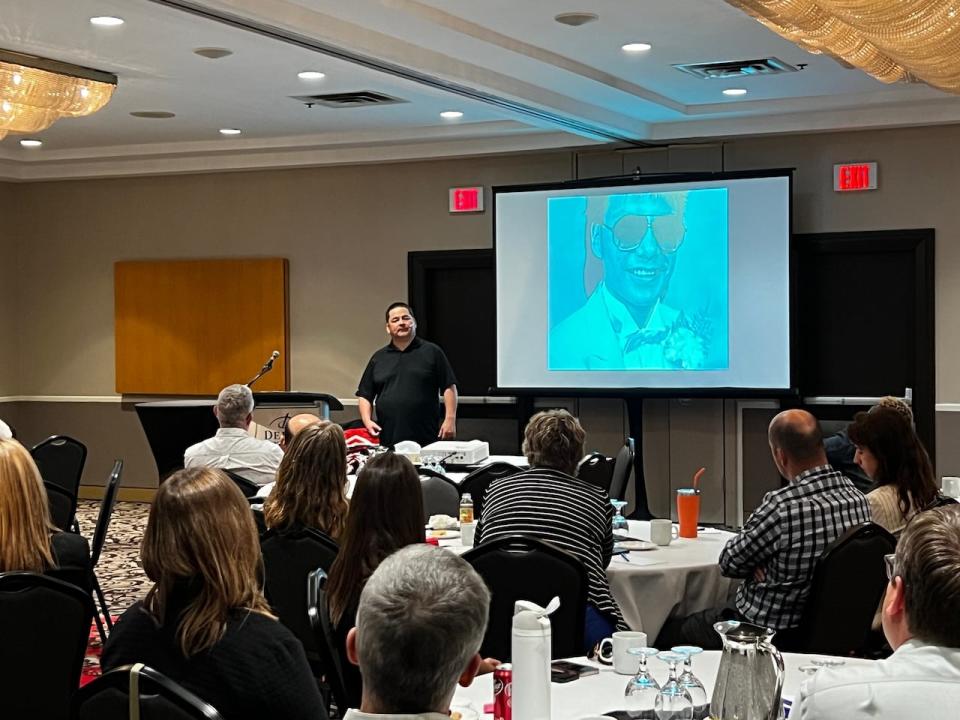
(891, 454)
(549, 503)
(205, 622)
(386, 514)
(311, 482)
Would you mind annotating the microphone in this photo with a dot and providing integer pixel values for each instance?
(267, 367)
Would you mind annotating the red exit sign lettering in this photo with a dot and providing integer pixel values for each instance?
(466, 199)
(848, 177)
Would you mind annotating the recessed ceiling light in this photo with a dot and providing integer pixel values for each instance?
(213, 53)
(106, 21)
(636, 47)
(153, 114)
(30, 143)
(229, 131)
(311, 75)
(451, 114)
(735, 92)
(576, 19)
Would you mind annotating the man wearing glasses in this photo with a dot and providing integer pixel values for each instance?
(625, 323)
(921, 621)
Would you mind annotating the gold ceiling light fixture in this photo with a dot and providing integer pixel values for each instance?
(913, 40)
(36, 92)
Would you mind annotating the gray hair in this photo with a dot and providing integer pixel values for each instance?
(234, 403)
(421, 618)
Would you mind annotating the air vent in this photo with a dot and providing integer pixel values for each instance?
(348, 99)
(736, 68)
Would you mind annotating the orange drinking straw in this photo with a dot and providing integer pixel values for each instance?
(696, 478)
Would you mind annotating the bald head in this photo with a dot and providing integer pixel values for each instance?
(296, 424)
(796, 441)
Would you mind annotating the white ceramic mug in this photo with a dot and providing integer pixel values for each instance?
(662, 532)
(615, 647)
(467, 531)
(951, 487)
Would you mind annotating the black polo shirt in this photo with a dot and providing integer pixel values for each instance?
(405, 385)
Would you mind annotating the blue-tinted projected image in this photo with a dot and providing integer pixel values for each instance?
(638, 281)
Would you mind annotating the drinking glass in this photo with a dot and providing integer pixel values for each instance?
(673, 701)
(640, 697)
(698, 694)
(619, 521)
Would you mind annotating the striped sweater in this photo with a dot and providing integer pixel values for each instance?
(571, 514)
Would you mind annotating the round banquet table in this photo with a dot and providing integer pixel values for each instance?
(601, 693)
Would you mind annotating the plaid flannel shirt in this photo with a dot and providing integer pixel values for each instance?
(785, 537)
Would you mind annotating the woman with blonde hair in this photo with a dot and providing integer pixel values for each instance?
(311, 482)
(28, 539)
(205, 622)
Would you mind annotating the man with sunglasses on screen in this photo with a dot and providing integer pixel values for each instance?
(625, 323)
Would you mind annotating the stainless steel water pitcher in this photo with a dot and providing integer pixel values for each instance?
(750, 678)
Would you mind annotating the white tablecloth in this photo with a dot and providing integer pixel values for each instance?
(678, 579)
(603, 692)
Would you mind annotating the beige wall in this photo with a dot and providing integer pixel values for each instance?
(9, 334)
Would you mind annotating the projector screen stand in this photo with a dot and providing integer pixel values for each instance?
(641, 508)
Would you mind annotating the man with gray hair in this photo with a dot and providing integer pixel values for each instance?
(420, 623)
(233, 448)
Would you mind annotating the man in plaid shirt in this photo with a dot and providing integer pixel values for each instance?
(782, 540)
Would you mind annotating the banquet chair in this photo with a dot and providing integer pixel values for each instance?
(622, 467)
(157, 697)
(63, 506)
(477, 482)
(60, 459)
(45, 626)
(100, 539)
(522, 568)
(441, 496)
(288, 556)
(248, 487)
(848, 582)
(327, 650)
(597, 469)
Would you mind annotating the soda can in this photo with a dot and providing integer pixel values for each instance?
(503, 692)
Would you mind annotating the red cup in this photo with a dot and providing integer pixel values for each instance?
(688, 511)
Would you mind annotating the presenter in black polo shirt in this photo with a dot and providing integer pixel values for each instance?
(404, 379)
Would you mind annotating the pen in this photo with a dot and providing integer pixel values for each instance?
(624, 555)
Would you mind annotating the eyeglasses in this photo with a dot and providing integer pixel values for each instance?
(630, 230)
(890, 561)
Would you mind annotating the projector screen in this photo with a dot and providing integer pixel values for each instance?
(673, 285)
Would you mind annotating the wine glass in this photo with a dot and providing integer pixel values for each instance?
(698, 694)
(640, 697)
(619, 521)
(673, 701)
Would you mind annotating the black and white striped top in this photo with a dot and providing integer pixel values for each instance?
(571, 514)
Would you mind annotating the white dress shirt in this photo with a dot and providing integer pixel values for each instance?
(357, 715)
(235, 450)
(918, 681)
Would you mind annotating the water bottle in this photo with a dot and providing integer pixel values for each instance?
(466, 509)
(530, 655)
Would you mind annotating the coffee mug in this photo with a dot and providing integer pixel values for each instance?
(662, 532)
(614, 648)
(951, 487)
(467, 531)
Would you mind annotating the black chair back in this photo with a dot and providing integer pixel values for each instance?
(248, 487)
(288, 557)
(100, 539)
(848, 582)
(522, 568)
(63, 506)
(160, 698)
(45, 626)
(441, 496)
(941, 500)
(622, 467)
(322, 631)
(477, 482)
(597, 469)
(60, 459)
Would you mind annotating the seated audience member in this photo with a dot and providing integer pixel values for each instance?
(205, 622)
(6, 432)
(890, 452)
(776, 550)
(28, 539)
(386, 514)
(311, 483)
(232, 448)
(549, 503)
(420, 623)
(295, 425)
(920, 610)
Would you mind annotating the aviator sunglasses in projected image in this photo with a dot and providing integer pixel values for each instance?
(628, 232)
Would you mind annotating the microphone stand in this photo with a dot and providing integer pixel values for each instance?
(267, 367)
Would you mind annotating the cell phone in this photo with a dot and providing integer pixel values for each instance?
(564, 671)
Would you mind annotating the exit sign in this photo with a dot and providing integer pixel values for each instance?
(848, 177)
(466, 199)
